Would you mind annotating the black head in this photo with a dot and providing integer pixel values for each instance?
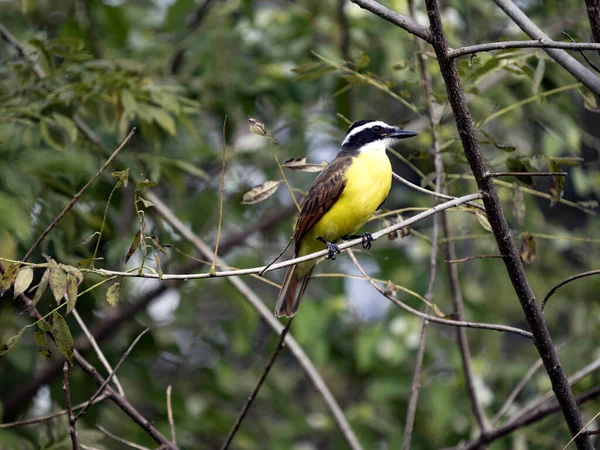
(364, 132)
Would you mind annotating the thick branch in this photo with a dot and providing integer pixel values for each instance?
(506, 246)
(593, 12)
(540, 43)
(578, 70)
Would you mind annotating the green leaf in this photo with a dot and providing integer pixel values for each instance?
(134, 245)
(190, 168)
(113, 293)
(71, 292)
(50, 134)
(483, 220)
(122, 175)
(23, 280)
(146, 203)
(128, 101)
(9, 277)
(11, 342)
(164, 120)
(85, 262)
(67, 124)
(58, 282)
(144, 184)
(568, 160)
(73, 271)
(538, 75)
(41, 340)
(62, 336)
(87, 241)
(43, 325)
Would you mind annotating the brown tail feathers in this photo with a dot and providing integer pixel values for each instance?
(291, 293)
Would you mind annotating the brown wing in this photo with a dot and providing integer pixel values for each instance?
(323, 193)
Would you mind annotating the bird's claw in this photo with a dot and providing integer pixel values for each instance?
(367, 238)
(331, 247)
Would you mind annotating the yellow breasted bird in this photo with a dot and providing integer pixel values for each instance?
(341, 199)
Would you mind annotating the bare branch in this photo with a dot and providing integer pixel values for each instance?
(261, 380)
(566, 281)
(121, 440)
(112, 374)
(72, 419)
(469, 258)
(453, 323)
(528, 174)
(593, 11)
(397, 19)
(540, 43)
(47, 417)
(98, 351)
(578, 70)
(266, 314)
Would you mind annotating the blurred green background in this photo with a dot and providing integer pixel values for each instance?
(175, 70)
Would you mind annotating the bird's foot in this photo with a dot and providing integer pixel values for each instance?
(367, 239)
(333, 249)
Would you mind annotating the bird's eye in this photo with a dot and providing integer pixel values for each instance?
(377, 129)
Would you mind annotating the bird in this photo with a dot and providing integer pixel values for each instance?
(340, 201)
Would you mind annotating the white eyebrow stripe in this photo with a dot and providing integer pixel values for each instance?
(361, 128)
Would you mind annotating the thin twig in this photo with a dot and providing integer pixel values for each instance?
(261, 380)
(47, 417)
(354, 242)
(540, 43)
(170, 415)
(267, 315)
(470, 258)
(566, 281)
(415, 388)
(76, 196)
(582, 430)
(98, 351)
(221, 196)
(112, 374)
(121, 440)
(432, 193)
(527, 174)
(72, 419)
(454, 323)
(461, 335)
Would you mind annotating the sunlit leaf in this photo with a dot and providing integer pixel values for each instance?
(23, 280)
(89, 238)
(144, 184)
(158, 266)
(146, 203)
(483, 220)
(261, 192)
(73, 271)
(113, 293)
(62, 336)
(122, 175)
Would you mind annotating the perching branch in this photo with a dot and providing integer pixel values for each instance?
(540, 43)
(495, 214)
(578, 70)
(354, 242)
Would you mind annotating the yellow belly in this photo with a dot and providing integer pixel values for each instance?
(368, 182)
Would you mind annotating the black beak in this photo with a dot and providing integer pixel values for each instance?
(399, 133)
